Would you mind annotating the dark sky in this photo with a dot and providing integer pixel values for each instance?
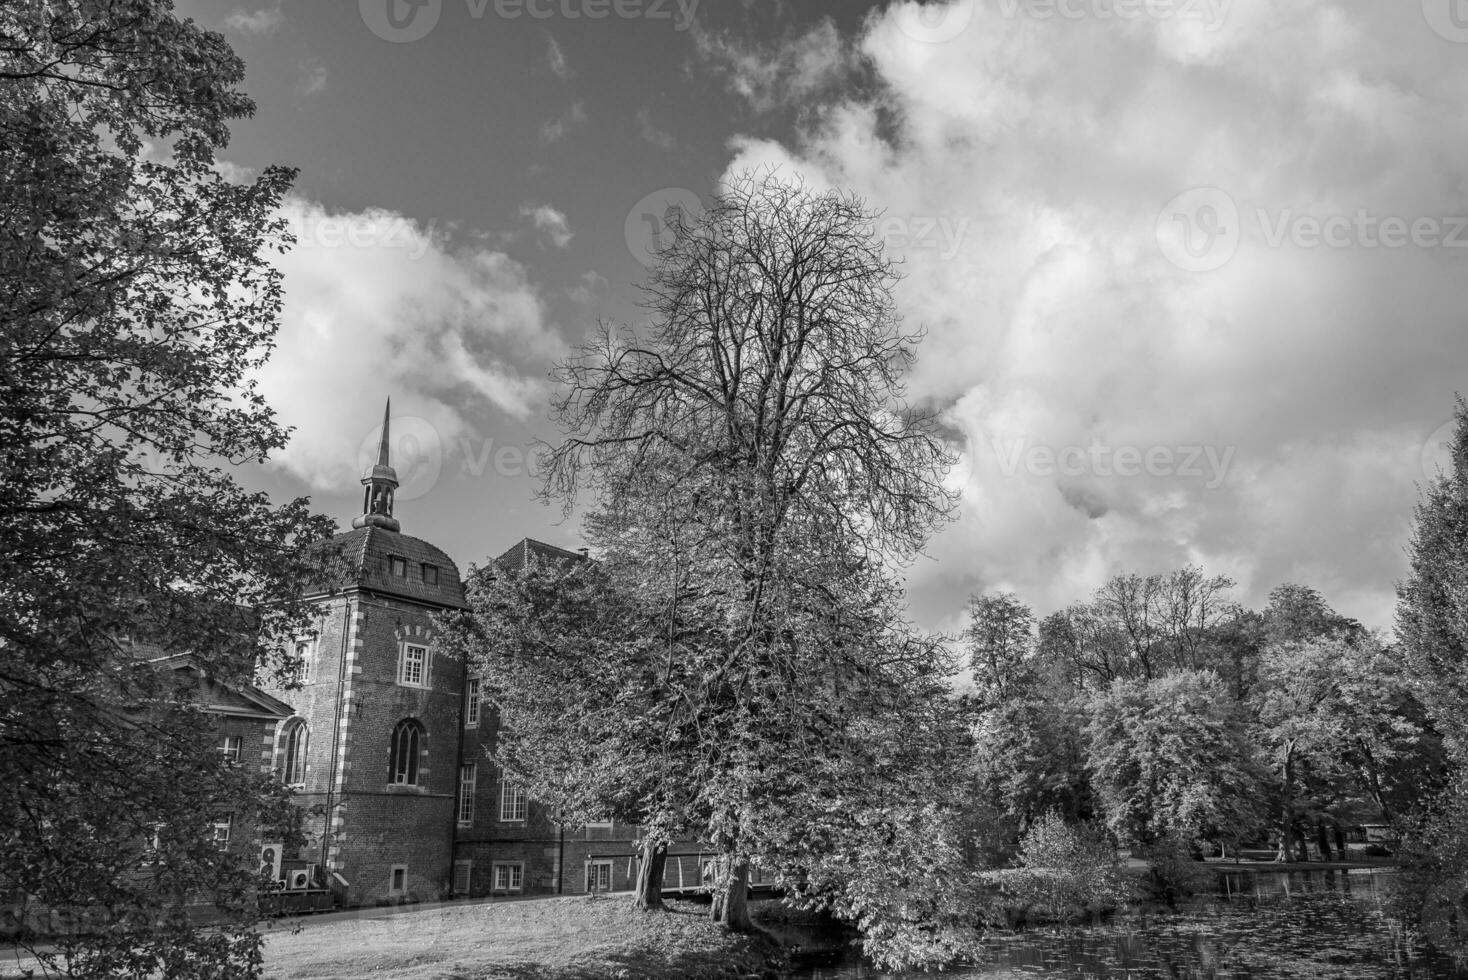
(1192, 271)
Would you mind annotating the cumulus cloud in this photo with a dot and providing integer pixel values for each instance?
(266, 20)
(650, 132)
(313, 77)
(556, 58)
(549, 222)
(555, 130)
(450, 334)
(777, 74)
(1244, 380)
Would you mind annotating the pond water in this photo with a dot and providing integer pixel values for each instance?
(1260, 926)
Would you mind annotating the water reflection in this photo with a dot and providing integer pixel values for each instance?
(1260, 926)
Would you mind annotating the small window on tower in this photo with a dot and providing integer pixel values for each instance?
(430, 574)
(397, 566)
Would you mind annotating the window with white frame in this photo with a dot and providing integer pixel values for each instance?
(408, 739)
(509, 876)
(301, 667)
(229, 747)
(413, 665)
(222, 826)
(513, 803)
(599, 876)
(471, 703)
(467, 775)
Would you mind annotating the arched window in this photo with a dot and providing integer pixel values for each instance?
(297, 739)
(408, 739)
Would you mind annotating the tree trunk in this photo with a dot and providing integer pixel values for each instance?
(652, 858)
(731, 901)
(1321, 840)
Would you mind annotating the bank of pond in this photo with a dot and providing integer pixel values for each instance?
(1258, 924)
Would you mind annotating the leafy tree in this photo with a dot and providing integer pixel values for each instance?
(135, 302)
(579, 666)
(754, 456)
(1169, 757)
(1339, 722)
(1000, 639)
(1432, 604)
(1030, 758)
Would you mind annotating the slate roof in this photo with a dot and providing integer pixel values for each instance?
(522, 551)
(366, 551)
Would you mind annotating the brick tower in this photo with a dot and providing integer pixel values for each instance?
(373, 748)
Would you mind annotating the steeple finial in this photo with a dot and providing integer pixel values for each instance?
(379, 485)
(386, 420)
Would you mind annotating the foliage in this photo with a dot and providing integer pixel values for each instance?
(1030, 758)
(1172, 870)
(757, 470)
(1432, 604)
(135, 302)
(1066, 869)
(1169, 757)
(999, 639)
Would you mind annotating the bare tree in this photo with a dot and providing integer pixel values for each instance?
(752, 450)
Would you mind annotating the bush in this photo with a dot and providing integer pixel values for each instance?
(1065, 870)
(1174, 872)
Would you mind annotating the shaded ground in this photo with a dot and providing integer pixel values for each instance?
(552, 939)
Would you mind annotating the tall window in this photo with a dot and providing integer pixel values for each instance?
(301, 669)
(512, 802)
(408, 739)
(297, 738)
(430, 574)
(397, 566)
(467, 775)
(471, 708)
(413, 665)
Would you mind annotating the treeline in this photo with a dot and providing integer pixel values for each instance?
(1183, 720)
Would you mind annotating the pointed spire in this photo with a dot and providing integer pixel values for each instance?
(386, 420)
(379, 484)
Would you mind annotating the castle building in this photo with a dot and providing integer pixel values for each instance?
(389, 748)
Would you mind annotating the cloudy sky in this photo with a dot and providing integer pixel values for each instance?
(1192, 271)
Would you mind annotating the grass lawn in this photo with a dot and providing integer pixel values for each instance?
(548, 939)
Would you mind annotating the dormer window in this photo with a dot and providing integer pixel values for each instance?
(397, 566)
(430, 574)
